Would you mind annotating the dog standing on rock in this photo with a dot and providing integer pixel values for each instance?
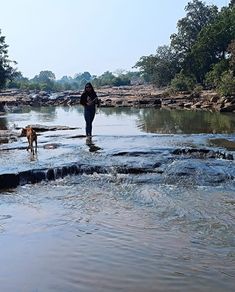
(31, 136)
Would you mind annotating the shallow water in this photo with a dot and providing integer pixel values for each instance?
(126, 121)
(118, 232)
(105, 233)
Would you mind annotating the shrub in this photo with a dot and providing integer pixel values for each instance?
(213, 77)
(226, 85)
(182, 82)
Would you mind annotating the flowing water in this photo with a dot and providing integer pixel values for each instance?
(120, 231)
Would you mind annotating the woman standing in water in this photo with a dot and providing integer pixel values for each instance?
(89, 100)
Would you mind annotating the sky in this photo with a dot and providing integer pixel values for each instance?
(73, 36)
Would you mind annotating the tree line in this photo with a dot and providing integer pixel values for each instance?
(201, 54)
(46, 81)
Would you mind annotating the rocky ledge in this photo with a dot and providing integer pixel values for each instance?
(175, 169)
(123, 96)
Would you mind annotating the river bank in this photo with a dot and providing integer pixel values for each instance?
(140, 96)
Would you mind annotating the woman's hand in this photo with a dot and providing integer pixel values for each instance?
(89, 101)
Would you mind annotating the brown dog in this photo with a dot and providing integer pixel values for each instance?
(31, 135)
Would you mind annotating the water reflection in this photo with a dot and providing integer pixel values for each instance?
(120, 111)
(92, 147)
(41, 114)
(3, 123)
(46, 113)
(131, 120)
(188, 122)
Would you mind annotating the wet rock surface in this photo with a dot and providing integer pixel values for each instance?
(163, 165)
(188, 171)
(199, 159)
(203, 153)
(221, 142)
(43, 128)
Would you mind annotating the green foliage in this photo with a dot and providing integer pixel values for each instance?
(203, 47)
(45, 77)
(232, 2)
(231, 51)
(105, 79)
(213, 77)
(182, 82)
(160, 68)
(82, 78)
(7, 72)
(198, 16)
(169, 92)
(202, 51)
(212, 43)
(226, 85)
(197, 89)
(45, 81)
(109, 79)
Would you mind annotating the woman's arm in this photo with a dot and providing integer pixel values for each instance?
(83, 99)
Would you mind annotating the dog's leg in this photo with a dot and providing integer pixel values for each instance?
(31, 145)
(36, 145)
(28, 143)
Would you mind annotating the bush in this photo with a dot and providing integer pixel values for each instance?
(226, 85)
(182, 82)
(213, 77)
(169, 92)
(198, 89)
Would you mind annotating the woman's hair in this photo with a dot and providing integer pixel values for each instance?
(91, 92)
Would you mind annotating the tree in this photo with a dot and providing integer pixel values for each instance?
(182, 82)
(212, 78)
(232, 3)
(65, 79)
(7, 72)
(45, 77)
(106, 78)
(159, 68)
(198, 16)
(18, 81)
(227, 84)
(82, 79)
(83, 76)
(212, 43)
(231, 51)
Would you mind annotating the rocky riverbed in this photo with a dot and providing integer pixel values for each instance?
(154, 191)
(171, 152)
(123, 96)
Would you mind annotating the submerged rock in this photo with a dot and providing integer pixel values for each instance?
(229, 145)
(9, 180)
(203, 153)
(44, 128)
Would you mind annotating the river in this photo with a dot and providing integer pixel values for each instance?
(153, 221)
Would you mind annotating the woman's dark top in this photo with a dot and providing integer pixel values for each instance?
(85, 97)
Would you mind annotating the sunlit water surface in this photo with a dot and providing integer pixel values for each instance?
(116, 232)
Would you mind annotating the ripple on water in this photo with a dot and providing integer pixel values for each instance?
(111, 233)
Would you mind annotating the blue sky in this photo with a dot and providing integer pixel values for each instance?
(73, 36)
